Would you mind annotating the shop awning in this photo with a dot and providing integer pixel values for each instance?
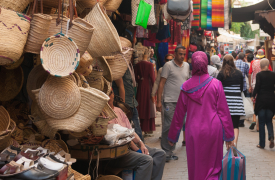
(266, 21)
(248, 13)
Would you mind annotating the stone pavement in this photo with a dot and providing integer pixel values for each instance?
(260, 164)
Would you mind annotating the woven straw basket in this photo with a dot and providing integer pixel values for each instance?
(85, 67)
(81, 5)
(95, 79)
(16, 64)
(85, 115)
(99, 126)
(11, 83)
(36, 79)
(81, 32)
(5, 138)
(15, 5)
(59, 98)
(112, 5)
(105, 40)
(14, 29)
(103, 64)
(40, 25)
(54, 146)
(77, 175)
(109, 112)
(118, 66)
(109, 177)
(5, 120)
(54, 3)
(107, 87)
(59, 55)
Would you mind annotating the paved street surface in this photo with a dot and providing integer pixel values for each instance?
(260, 164)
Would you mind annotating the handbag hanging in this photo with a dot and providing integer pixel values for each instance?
(135, 6)
(143, 13)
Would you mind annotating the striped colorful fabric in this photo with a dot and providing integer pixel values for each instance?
(217, 13)
(203, 13)
(209, 14)
(196, 14)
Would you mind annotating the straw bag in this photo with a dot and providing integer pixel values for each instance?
(81, 5)
(107, 86)
(118, 66)
(95, 79)
(85, 67)
(81, 32)
(54, 146)
(152, 17)
(14, 29)
(109, 112)
(36, 79)
(112, 5)
(59, 55)
(85, 115)
(5, 139)
(15, 5)
(103, 64)
(18, 111)
(99, 126)
(16, 64)
(11, 83)
(5, 120)
(77, 175)
(40, 25)
(105, 40)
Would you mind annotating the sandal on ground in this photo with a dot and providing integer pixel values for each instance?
(27, 163)
(258, 146)
(271, 145)
(11, 168)
(183, 143)
(65, 157)
(252, 126)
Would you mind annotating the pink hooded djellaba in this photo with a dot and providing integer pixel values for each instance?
(208, 122)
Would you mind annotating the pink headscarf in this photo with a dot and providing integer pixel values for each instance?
(199, 63)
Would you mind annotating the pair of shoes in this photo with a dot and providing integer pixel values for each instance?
(241, 125)
(258, 146)
(169, 158)
(271, 145)
(252, 126)
(183, 143)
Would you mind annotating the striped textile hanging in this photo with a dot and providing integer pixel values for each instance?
(196, 14)
(217, 13)
(203, 14)
(209, 14)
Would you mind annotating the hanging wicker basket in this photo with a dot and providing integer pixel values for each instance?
(5, 139)
(95, 79)
(105, 40)
(99, 126)
(14, 30)
(85, 67)
(15, 5)
(16, 64)
(112, 5)
(5, 121)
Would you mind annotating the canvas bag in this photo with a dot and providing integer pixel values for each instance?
(233, 168)
(179, 7)
(135, 5)
(143, 14)
(248, 107)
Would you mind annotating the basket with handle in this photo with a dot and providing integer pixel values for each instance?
(105, 40)
(99, 126)
(5, 121)
(14, 30)
(95, 79)
(112, 5)
(85, 67)
(77, 175)
(5, 138)
(15, 5)
(40, 25)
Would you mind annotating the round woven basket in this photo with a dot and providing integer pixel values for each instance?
(15, 5)
(109, 177)
(81, 32)
(85, 67)
(11, 82)
(5, 139)
(81, 5)
(78, 80)
(85, 115)
(59, 98)
(112, 5)
(103, 64)
(59, 55)
(125, 42)
(54, 146)
(95, 79)
(105, 40)
(99, 126)
(14, 29)
(36, 79)
(40, 25)
(16, 64)
(77, 175)
(5, 120)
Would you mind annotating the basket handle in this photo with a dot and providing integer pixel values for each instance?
(35, 6)
(71, 12)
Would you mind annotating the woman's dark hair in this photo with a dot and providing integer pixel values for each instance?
(228, 65)
(234, 54)
(250, 57)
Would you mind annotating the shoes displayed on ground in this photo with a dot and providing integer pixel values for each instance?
(169, 158)
(252, 126)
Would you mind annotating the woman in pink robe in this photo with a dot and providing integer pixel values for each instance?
(208, 122)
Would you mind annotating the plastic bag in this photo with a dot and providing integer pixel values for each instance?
(117, 135)
(143, 14)
(248, 107)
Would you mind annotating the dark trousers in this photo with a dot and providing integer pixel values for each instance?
(265, 118)
(137, 123)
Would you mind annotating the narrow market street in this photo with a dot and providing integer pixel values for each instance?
(259, 163)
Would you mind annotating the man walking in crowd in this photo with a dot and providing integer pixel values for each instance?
(174, 74)
(125, 89)
(255, 68)
(244, 68)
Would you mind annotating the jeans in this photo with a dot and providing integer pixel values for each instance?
(135, 119)
(265, 118)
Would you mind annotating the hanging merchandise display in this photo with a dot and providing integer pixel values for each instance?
(204, 14)
(15, 5)
(217, 13)
(95, 80)
(209, 15)
(103, 64)
(179, 10)
(85, 62)
(135, 7)
(196, 14)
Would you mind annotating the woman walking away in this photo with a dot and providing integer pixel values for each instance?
(265, 102)
(232, 81)
(208, 120)
(216, 62)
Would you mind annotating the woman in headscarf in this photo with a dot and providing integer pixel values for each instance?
(202, 94)
(212, 71)
(232, 81)
(216, 62)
